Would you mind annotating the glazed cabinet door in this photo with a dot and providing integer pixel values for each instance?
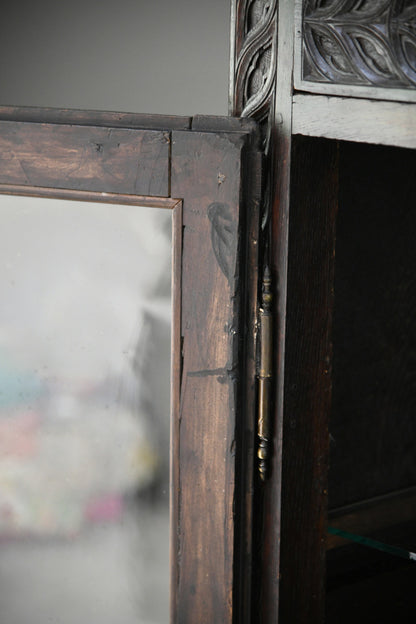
(206, 172)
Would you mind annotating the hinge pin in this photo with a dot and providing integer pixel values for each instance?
(265, 375)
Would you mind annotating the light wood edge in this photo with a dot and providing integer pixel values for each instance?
(351, 119)
(297, 49)
(90, 196)
(355, 91)
(176, 375)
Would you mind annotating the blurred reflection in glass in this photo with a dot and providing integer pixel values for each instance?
(84, 412)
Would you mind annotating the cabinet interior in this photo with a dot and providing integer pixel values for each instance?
(372, 426)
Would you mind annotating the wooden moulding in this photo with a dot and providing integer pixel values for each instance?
(349, 119)
(210, 177)
(93, 118)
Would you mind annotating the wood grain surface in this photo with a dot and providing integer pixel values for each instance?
(350, 119)
(211, 371)
(308, 379)
(88, 158)
(94, 118)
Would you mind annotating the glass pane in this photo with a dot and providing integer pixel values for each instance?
(84, 412)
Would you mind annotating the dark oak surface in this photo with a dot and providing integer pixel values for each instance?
(314, 186)
(79, 157)
(94, 118)
(214, 236)
(209, 368)
(373, 424)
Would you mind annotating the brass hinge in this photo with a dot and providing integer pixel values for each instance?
(264, 376)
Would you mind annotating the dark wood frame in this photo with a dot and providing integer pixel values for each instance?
(208, 171)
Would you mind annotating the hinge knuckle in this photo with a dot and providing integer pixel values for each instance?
(264, 375)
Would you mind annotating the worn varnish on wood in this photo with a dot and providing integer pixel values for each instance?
(212, 372)
(81, 158)
(211, 177)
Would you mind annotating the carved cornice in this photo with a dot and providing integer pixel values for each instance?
(255, 61)
(360, 42)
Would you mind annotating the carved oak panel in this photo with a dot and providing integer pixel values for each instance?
(357, 47)
(253, 76)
